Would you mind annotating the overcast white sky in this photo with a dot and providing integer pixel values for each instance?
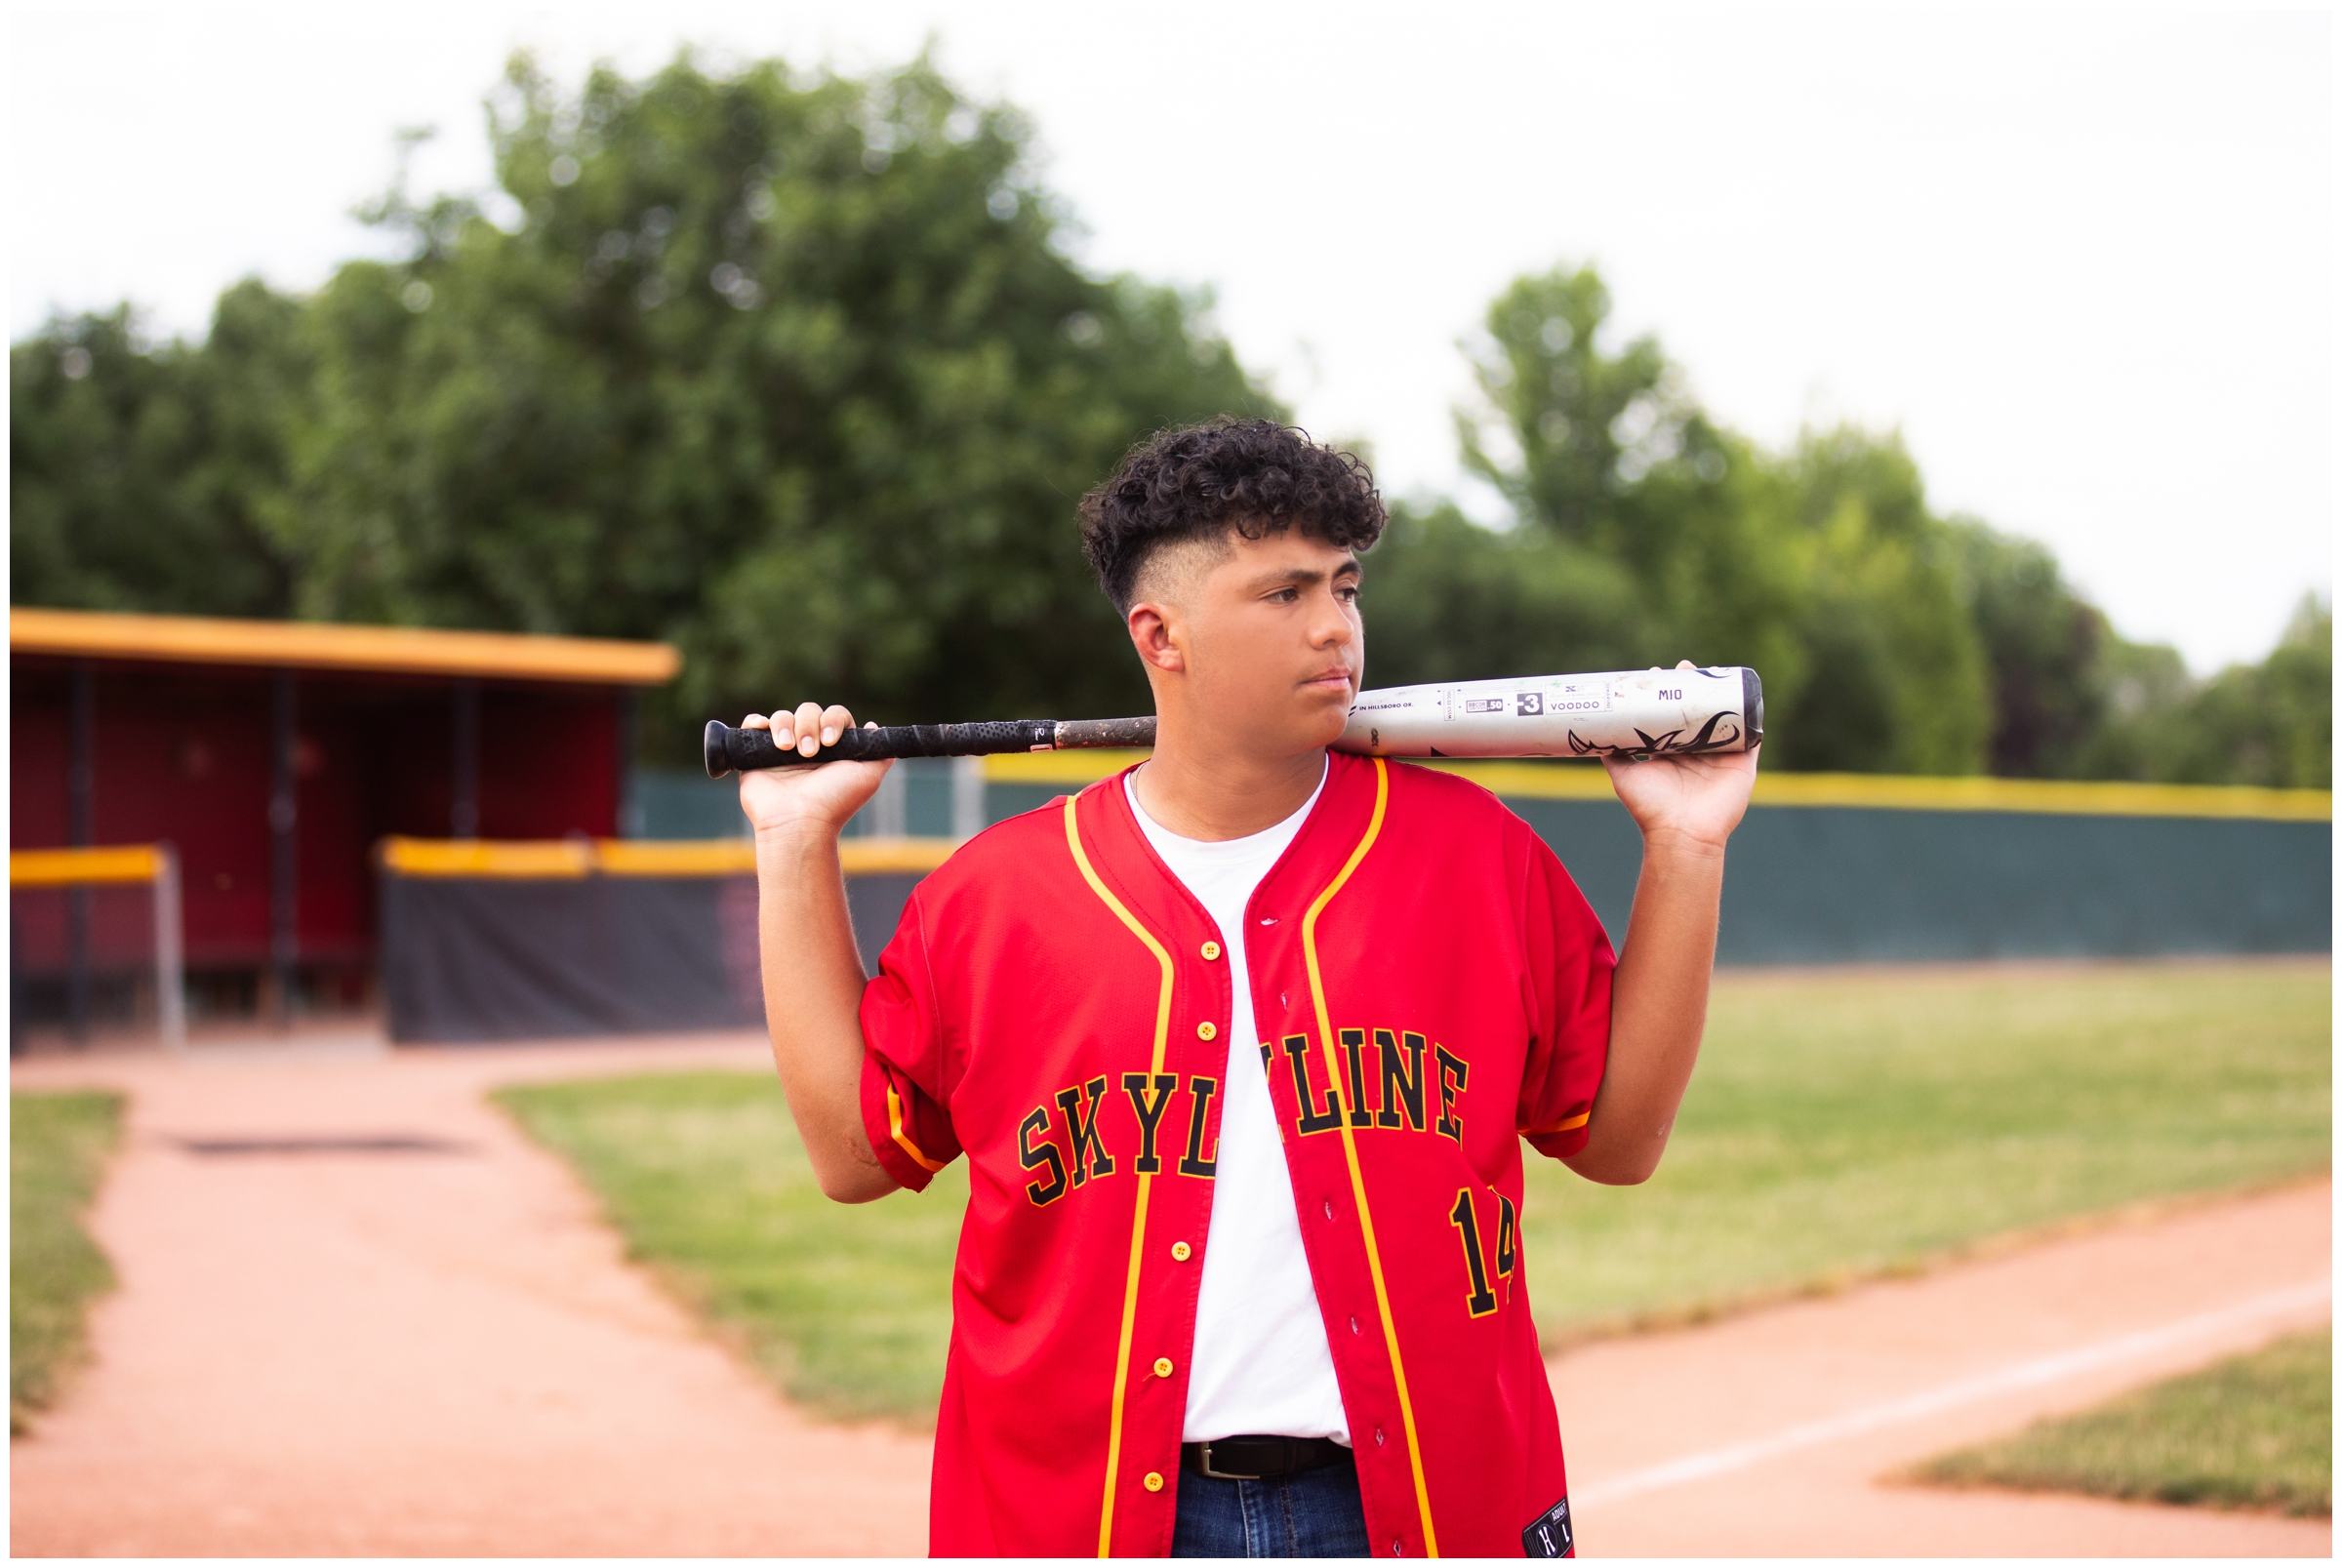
(2084, 258)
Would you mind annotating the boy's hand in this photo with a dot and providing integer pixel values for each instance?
(1695, 801)
(820, 799)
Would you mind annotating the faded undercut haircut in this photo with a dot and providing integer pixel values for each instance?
(1252, 477)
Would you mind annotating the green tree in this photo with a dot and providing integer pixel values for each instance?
(1447, 599)
(143, 478)
(1645, 532)
(1896, 680)
(1602, 451)
(796, 374)
(2269, 724)
(2046, 652)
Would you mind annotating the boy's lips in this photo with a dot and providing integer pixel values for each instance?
(1327, 681)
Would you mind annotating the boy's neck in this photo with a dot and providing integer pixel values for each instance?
(1218, 791)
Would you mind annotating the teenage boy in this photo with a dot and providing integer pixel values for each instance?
(1241, 1045)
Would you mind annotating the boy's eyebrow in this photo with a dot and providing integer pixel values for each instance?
(1301, 576)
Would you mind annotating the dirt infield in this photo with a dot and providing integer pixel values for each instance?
(1767, 1435)
(360, 1315)
(387, 1325)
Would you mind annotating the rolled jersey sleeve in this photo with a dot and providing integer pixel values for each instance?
(904, 1088)
(1568, 965)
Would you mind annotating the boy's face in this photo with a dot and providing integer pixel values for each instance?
(1257, 640)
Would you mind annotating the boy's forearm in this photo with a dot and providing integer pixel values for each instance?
(812, 983)
(1658, 1008)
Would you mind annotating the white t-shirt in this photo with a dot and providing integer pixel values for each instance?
(1261, 1363)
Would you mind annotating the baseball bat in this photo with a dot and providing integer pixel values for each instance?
(1627, 713)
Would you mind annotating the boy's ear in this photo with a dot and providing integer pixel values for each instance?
(1154, 636)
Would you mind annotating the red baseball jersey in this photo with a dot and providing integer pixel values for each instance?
(1432, 988)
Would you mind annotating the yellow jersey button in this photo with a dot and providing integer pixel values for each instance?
(1155, 1481)
(1163, 1366)
(1211, 951)
(1180, 1252)
(1207, 1029)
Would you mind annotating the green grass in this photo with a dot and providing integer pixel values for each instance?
(2254, 1432)
(847, 1307)
(1848, 1125)
(58, 1147)
(1839, 1125)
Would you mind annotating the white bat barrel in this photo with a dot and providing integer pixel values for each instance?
(1624, 712)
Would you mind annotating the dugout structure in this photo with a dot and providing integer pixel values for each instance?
(274, 756)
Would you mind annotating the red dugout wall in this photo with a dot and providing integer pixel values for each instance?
(275, 756)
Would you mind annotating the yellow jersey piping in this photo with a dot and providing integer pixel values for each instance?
(894, 1125)
(1138, 1223)
(1350, 1152)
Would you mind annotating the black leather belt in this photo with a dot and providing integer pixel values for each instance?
(1256, 1458)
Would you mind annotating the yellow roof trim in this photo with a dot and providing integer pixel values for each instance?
(314, 645)
(72, 868)
(571, 858)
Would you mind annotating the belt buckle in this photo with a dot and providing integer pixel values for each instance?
(1220, 1476)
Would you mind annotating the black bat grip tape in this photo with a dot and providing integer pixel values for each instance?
(731, 751)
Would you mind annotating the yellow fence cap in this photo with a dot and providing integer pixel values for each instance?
(651, 857)
(72, 868)
(620, 857)
(537, 857)
(1528, 780)
(1080, 765)
(880, 857)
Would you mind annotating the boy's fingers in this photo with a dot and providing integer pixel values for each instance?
(835, 721)
(809, 728)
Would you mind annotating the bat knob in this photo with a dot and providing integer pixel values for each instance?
(716, 753)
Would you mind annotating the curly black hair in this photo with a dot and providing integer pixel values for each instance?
(1255, 476)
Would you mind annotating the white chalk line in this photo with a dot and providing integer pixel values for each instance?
(1952, 1395)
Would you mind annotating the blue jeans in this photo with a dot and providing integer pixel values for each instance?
(1316, 1514)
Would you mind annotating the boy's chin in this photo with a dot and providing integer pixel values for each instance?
(1322, 726)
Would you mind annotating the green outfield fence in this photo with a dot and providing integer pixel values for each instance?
(1828, 867)
(1862, 868)
(497, 941)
